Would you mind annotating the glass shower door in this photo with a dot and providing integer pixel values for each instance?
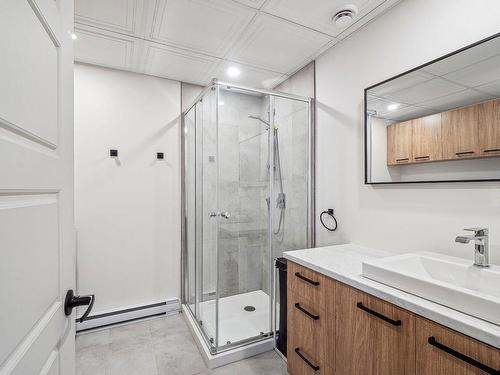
(244, 293)
(207, 199)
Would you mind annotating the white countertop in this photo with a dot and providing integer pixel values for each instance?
(343, 263)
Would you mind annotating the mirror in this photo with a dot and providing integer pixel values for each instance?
(439, 122)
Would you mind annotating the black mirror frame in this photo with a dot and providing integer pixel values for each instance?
(401, 75)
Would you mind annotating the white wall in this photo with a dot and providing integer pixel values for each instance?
(127, 210)
(399, 217)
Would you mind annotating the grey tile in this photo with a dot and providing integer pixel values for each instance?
(180, 359)
(169, 325)
(92, 339)
(92, 360)
(134, 360)
(129, 336)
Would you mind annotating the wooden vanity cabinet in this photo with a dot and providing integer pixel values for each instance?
(460, 133)
(334, 329)
(426, 144)
(373, 337)
(489, 128)
(435, 343)
(399, 143)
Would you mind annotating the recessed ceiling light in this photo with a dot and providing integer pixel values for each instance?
(74, 36)
(233, 71)
(392, 107)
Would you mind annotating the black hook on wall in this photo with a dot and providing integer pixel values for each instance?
(113, 153)
(160, 155)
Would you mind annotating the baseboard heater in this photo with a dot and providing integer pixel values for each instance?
(111, 318)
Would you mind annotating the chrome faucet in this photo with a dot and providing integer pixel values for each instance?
(481, 245)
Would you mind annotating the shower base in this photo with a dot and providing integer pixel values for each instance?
(235, 324)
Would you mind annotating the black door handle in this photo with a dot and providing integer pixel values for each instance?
(72, 301)
(471, 361)
(396, 323)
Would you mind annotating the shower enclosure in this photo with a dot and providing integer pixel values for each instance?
(247, 197)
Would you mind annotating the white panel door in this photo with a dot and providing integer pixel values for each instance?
(37, 241)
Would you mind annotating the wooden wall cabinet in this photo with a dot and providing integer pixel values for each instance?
(399, 143)
(426, 142)
(334, 329)
(460, 133)
(489, 128)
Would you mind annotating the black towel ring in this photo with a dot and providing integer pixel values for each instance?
(330, 213)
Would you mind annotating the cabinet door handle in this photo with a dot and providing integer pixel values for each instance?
(405, 160)
(307, 280)
(432, 341)
(396, 323)
(303, 357)
(422, 157)
(464, 153)
(310, 315)
(493, 150)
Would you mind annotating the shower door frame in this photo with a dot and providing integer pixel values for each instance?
(311, 240)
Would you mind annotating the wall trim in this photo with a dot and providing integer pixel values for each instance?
(110, 318)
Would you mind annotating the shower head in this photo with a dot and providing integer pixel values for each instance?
(259, 119)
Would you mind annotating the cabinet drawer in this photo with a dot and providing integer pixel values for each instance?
(308, 284)
(373, 337)
(311, 330)
(446, 352)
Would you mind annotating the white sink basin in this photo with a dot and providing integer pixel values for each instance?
(450, 281)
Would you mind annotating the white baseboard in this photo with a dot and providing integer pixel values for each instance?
(108, 318)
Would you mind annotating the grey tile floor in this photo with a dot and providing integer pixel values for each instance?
(162, 346)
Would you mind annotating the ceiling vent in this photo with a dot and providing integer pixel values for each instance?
(344, 17)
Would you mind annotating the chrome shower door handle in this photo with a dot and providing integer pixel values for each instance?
(225, 215)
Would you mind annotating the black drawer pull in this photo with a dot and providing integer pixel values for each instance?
(312, 316)
(303, 357)
(307, 280)
(396, 323)
(464, 153)
(402, 160)
(422, 157)
(432, 341)
(493, 150)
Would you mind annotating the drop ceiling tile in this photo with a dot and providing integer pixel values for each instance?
(459, 99)
(319, 15)
(249, 76)
(408, 113)
(114, 15)
(177, 64)
(492, 88)
(401, 83)
(99, 47)
(210, 26)
(274, 44)
(379, 105)
(256, 4)
(465, 58)
(481, 73)
(425, 91)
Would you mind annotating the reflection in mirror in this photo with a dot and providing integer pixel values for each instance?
(440, 122)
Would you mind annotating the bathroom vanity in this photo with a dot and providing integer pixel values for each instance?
(342, 323)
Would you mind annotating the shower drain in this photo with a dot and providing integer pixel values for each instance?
(249, 308)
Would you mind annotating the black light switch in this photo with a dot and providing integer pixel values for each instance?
(160, 155)
(113, 153)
